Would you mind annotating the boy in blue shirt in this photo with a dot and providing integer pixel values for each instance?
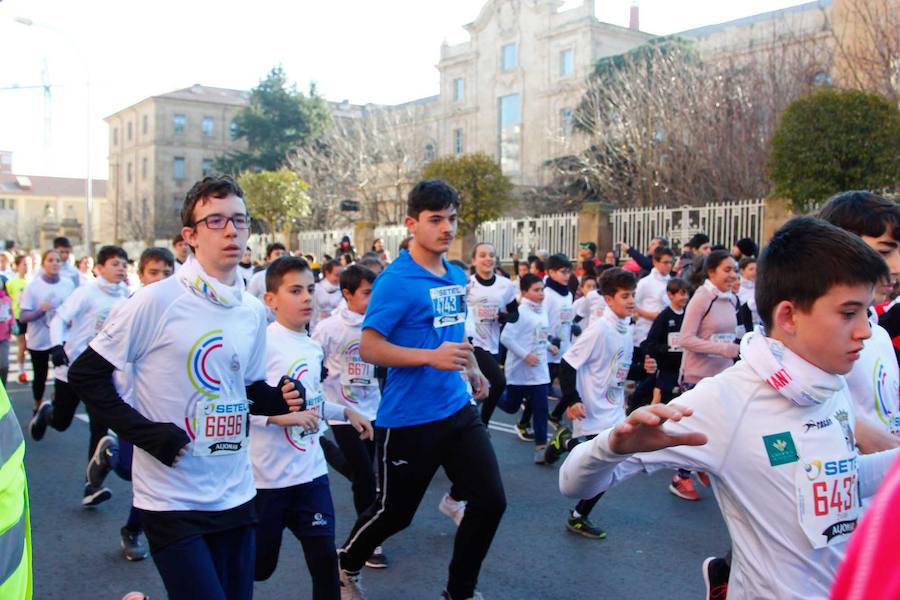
(415, 326)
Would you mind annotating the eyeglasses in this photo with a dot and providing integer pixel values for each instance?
(240, 221)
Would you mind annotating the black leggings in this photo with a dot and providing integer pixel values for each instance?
(65, 401)
(489, 364)
(40, 360)
(408, 458)
(360, 457)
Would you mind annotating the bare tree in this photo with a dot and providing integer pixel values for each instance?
(867, 45)
(373, 159)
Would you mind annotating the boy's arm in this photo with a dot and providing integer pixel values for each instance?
(568, 383)
(657, 343)
(449, 356)
(872, 470)
(871, 438)
(509, 338)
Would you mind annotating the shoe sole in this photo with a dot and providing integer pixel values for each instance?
(100, 498)
(706, 575)
(372, 565)
(675, 491)
(584, 533)
(135, 558)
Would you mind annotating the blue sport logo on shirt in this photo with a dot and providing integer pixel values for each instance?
(449, 305)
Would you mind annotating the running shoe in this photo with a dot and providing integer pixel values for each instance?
(133, 546)
(554, 421)
(455, 509)
(583, 526)
(445, 595)
(684, 488)
(40, 420)
(558, 444)
(703, 478)
(524, 432)
(378, 560)
(539, 455)
(23, 378)
(94, 496)
(715, 575)
(351, 585)
(98, 467)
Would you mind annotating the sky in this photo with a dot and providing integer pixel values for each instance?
(379, 51)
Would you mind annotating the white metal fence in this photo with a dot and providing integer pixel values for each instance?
(524, 236)
(724, 223)
(320, 243)
(391, 236)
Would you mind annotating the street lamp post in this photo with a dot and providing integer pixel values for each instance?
(89, 184)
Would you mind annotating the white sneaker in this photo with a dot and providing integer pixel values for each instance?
(455, 509)
(351, 586)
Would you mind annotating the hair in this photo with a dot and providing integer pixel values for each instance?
(347, 258)
(661, 251)
(458, 263)
(589, 268)
(47, 253)
(369, 262)
(602, 268)
(404, 243)
(108, 252)
(662, 241)
(527, 280)
(177, 239)
(431, 195)
(558, 261)
(747, 247)
(714, 259)
(806, 258)
(353, 276)
(156, 254)
(539, 263)
(330, 265)
(220, 186)
(62, 242)
(280, 267)
(375, 241)
(697, 240)
(675, 285)
(19, 259)
(587, 278)
(863, 213)
(270, 248)
(616, 279)
(479, 245)
(746, 261)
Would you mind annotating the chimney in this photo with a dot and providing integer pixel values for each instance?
(634, 18)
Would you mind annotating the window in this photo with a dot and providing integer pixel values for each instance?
(145, 124)
(12, 204)
(566, 62)
(128, 215)
(234, 129)
(457, 142)
(429, 152)
(129, 135)
(207, 126)
(180, 122)
(459, 90)
(144, 164)
(145, 209)
(128, 173)
(178, 167)
(508, 59)
(2, 203)
(510, 133)
(115, 136)
(206, 168)
(566, 122)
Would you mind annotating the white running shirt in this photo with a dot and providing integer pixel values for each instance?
(561, 315)
(528, 335)
(485, 303)
(873, 382)
(650, 296)
(36, 293)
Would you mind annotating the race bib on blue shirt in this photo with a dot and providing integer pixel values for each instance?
(448, 305)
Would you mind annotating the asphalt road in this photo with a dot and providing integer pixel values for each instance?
(655, 545)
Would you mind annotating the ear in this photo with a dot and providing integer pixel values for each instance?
(269, 299)
(410, 224)
(190, 235)
(346, 294)
(784, 317)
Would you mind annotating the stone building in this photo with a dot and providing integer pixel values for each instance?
(158, 148)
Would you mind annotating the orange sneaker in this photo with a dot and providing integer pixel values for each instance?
(684, 488)
(703, 478)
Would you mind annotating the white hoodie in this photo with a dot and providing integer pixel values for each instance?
(784, 474)
(528, 335)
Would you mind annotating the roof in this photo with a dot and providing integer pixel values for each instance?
(752, 19)
(204, 93)
(39, 185)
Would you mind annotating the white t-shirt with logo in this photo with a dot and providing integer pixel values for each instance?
(560, 315)
(287, 456)
(485, 302)
(591, 308)
(350, 381)
(601, 356)
(190, 360)
(874, 381)
(80, 317)
(528, 335)
(785, 477)
(651, 297)
(36, 293)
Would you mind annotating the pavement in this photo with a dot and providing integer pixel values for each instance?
(655, 545)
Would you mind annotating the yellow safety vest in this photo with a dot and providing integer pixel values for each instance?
(15, 520)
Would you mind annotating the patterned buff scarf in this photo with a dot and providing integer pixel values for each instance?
(193, 277)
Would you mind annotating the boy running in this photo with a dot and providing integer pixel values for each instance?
(776, 430)
(415, 325)
(662, 343)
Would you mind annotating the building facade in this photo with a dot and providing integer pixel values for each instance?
(158, 148)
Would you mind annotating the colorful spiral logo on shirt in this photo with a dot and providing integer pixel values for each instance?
(885, 392)
(298, 369)
(198, 365)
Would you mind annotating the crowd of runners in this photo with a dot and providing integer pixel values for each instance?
(768, 375)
